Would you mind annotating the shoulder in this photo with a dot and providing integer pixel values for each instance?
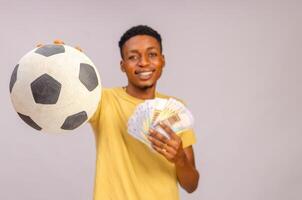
(107, 96)
(110, 91)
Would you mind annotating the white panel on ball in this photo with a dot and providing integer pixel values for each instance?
(55, 88)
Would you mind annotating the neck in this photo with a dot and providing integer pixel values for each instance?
(141, 93)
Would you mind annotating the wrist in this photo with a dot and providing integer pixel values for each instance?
(182, 160)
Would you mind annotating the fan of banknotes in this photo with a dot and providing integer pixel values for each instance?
(150, 113)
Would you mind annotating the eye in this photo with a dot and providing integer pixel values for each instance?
(133, 58)
(152, 54)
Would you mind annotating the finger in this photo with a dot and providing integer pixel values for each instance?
(58, 41)
(39, 45)
(78, 48)
(158, 136)
(173, 144)
(168, 130)
(163, 152)
(162, 145)
(170, 150)
(156, 142)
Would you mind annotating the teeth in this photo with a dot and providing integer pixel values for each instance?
(145, 73)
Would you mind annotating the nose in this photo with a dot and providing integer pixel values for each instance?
(143, 61)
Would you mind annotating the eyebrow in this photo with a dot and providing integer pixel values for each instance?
(136, 51)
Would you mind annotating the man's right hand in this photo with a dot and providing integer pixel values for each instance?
(59, 42)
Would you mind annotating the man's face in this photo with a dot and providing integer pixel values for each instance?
(142, 61)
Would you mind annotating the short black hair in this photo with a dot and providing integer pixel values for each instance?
(139, 30)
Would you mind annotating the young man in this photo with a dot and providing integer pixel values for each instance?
(127, 169)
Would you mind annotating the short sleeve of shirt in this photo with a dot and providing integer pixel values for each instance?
(97, 112)
(188, 138)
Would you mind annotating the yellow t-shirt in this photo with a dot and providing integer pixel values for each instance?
(126, 169)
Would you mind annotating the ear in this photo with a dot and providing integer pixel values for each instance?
(164, 60)
(122, 66)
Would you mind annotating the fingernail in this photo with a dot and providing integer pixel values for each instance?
(58, 41)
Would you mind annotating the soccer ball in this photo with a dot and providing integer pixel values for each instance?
(55, 88)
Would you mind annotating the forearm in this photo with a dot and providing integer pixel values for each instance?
(173, 151)
(187, 175)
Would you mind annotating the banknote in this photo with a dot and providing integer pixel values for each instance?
(150, 113)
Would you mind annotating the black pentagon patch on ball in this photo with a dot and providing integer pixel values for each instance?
(29, 121)
(50, 50)
(74, 121)
(88, 76)
(45, 89)
(13, 78)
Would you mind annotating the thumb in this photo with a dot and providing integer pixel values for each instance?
(58, 41)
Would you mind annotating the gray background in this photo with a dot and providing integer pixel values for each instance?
(237, 64)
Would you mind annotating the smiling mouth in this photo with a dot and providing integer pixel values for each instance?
(144, 75)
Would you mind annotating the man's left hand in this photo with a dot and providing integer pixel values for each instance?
(171, 148)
